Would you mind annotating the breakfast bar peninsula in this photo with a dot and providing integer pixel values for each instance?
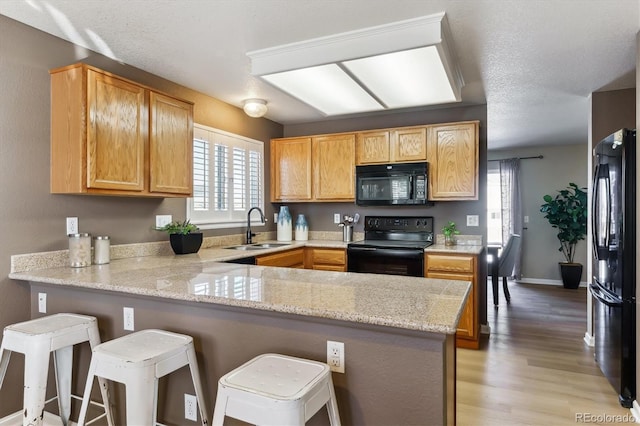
(398, 332)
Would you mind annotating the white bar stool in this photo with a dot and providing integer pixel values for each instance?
(138, 360)
(278, 390)
(36, 339)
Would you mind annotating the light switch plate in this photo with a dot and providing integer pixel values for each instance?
(473, 220)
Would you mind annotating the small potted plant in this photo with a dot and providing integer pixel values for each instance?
(183, 236)
(567, 212)
(449, 230)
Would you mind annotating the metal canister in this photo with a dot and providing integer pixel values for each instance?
(79, 250)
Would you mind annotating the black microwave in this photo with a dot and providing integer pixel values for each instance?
(392, 184)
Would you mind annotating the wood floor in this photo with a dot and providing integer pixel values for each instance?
(535, 369)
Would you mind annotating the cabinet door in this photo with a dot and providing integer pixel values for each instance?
(452, 152)
(287, 259)
(116, 133)
(291, 169)
(170, 145)
(409, 144)
(326, 259)
(373, 147)
(334, 168)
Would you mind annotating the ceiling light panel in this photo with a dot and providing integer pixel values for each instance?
(327, 88)
(405, 79)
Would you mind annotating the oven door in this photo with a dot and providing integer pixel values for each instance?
(392, 261)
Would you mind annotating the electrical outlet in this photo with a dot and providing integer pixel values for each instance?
(190, 407)
(526, 219)
(336, 218)
(335, 356)
(163, 219)
(42, 303)
(473, 220)
(72, 225)
(128, 318)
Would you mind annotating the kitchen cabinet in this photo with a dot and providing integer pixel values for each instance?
(400, 145)
(452, 153)
(112, 136)
(288, 259)
(313, 168)
(325, 259)
(461, 267)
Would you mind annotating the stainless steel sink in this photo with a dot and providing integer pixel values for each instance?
(244, 248)
(258, 246)
(270, 245)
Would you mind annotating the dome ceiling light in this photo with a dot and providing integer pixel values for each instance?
(399, 65)
(255, 108)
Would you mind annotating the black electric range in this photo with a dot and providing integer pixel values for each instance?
(392, 245)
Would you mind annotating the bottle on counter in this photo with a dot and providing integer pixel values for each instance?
(284, 228)
(79, 250)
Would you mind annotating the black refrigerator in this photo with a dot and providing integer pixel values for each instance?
(614, 261)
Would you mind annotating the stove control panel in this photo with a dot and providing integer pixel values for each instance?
(401, 223)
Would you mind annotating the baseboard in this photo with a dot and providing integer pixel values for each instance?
(635, 410)
(589, 339)
(545, 281)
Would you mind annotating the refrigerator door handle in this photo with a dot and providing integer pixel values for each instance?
(603, 297)
(601, 220)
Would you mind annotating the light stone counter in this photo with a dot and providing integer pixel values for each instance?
(423, 304)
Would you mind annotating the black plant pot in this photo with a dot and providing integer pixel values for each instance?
(571, 274)
(186, 243)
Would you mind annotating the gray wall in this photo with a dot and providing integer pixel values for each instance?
(32, 219)
(561, 164)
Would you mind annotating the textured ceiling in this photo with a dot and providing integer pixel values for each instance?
(533, 62)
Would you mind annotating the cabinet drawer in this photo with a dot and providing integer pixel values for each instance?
(329, 256)
(449, 263)
(289, 259)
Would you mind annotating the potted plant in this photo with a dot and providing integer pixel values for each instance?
(183, 237)
(449, 230)
(567, 212)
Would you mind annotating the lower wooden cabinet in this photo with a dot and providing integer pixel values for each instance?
(462, 267)
(288, 259)
(325, 259)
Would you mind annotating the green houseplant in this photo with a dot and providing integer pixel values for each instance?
(449, 230)
(183, 236)
(567, 212)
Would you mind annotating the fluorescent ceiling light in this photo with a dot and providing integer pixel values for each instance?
(398, 65)
(327, 88)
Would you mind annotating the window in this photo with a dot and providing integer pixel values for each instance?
(494, 206)
(228, 178)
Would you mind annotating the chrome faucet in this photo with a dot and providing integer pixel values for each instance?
(249, 234)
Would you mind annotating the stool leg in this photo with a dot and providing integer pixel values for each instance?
(94, 340)
(36, 370)
(220, 407)
(87, 393)
(141, 396)
(332, 405)
(195, 377)
(5, 354)
(63, 362)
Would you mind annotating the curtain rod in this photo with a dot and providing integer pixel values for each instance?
(518, 158)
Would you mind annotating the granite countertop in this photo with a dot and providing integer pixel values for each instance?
(455, 249)
(425, 304)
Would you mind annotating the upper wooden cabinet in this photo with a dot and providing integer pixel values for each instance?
(406, 144)
(452, 152)
(309, 169)
(291, 169)
(112, 136)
